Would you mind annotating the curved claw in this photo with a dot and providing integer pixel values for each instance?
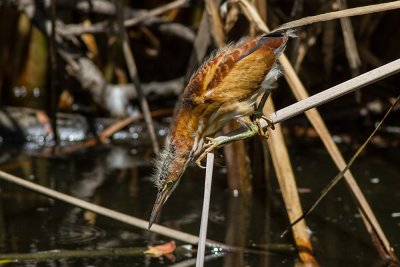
(258, 117)
(210, 140)
(210, 146)
(261, 131)
(269, 122)
(198, 161)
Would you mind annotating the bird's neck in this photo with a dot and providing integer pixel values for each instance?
(187, 130)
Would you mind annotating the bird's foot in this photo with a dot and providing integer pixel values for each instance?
(257, 120)
(219, 141)
(212, 144)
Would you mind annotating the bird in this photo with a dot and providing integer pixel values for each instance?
(224, 88)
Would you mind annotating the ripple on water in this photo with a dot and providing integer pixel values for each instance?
(74, 234)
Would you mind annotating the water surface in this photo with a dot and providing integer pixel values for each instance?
(118, 177)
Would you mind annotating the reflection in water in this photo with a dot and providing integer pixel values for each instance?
(118, 178)
(238, 220)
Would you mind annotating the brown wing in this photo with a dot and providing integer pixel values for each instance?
(235, 71)
(241, 72)
(197, 86)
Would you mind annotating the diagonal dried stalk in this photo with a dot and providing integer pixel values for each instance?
(300, 92)
(98, 209)
(130, 61)
(319, 125)
(287, 184)
(357, 11)
(340, 175)
(130, 220)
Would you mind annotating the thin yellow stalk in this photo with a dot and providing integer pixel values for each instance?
(287, 184)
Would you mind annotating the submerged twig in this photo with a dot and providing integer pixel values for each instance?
(64, 254)
(340, 175)
(93, 253)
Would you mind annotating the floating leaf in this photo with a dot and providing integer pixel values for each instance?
(158, 251)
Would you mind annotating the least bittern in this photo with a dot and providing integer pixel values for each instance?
(225, 87)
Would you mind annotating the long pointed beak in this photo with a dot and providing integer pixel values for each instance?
(162, 197)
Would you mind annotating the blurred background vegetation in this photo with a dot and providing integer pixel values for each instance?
(91, 75)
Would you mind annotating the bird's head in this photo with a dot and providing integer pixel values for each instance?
(170, 166)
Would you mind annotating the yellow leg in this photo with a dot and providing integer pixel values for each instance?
(219, 141)
(258, 114)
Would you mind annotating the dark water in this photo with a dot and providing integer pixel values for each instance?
(118, 177)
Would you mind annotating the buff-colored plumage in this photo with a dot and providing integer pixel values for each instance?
(224, 88)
